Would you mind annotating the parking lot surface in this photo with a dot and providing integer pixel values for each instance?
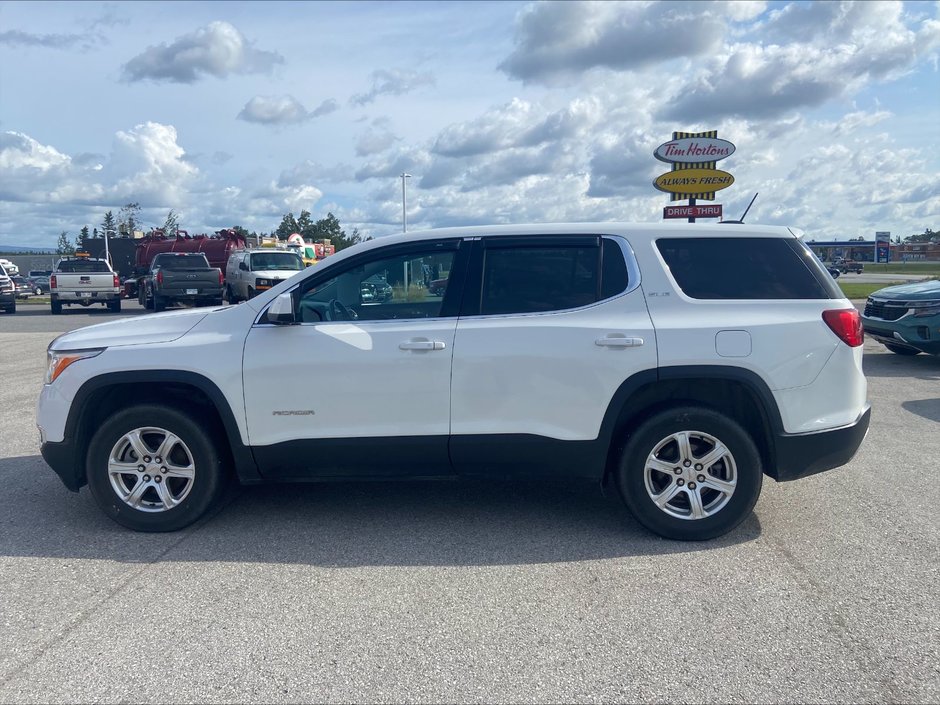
(470, 592)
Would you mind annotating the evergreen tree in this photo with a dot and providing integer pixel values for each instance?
(64, 246)
(108, 225)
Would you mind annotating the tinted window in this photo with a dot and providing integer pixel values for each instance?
(741, 268)
(533, 279)
(183, 262)
(83, 265)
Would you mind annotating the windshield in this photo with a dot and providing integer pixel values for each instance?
(84, 265)
(183, 262)
(276, 261)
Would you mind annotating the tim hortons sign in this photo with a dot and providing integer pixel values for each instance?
(694, 150)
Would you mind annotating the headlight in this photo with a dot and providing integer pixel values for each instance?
(930, 309)
(264, 282)
(58, 360)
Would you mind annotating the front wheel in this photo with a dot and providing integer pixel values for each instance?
(154, 468)
(901, 350)
(690, 473)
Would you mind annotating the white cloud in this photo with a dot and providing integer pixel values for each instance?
(563, 39)
(218, 49)
(392, 82)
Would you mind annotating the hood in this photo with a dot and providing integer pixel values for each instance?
(140, 330)
(275, 273)
(917, 291)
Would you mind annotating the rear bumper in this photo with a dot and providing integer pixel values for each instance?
(803, 454)
(61, 458)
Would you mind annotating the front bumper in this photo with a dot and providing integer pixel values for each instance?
(918, 334)
(61, 458)
(803, 454)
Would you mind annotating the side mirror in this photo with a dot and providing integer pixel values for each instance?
(281, 310)
(242, 266)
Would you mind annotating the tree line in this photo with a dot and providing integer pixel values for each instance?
(128, 220)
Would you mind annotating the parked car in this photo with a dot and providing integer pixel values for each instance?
(848, 265)
(22, 286)
(7, 292)
(905, 318)
(33, 273)
(249, 272)
(40, 284)
(376, 289)
(84, 281)
(833, 271)
(177, 277)
(675, 363)
(10, 268)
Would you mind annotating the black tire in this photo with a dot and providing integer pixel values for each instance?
(37, 291)
(197, 495)
(11, 308)
(728, 509)
(115, 306)
(251, 293)
(901, 350)
(158, 303)
(56, 307)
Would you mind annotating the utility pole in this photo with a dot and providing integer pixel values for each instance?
(404, 217)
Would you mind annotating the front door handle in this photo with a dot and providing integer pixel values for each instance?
(422, 345)
(613, 341)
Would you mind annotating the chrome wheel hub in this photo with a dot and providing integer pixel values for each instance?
(151, 469)
(690, 475)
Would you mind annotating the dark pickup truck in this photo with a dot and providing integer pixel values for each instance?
(176, 277)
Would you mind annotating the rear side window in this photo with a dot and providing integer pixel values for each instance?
(524, 278)
(744, 268)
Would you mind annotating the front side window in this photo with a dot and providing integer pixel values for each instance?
(530, 279)
(402, 286)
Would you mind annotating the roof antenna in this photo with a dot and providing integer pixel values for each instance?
(741, 221)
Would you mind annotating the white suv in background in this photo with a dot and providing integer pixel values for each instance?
(251, 272)
(677, 363)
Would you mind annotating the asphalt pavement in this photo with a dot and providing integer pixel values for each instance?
(475, 592)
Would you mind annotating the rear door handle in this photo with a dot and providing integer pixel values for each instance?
(422, 345)
(619, 342)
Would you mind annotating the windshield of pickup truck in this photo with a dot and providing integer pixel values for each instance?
(182, 262)
(83, 265)
(279, 261)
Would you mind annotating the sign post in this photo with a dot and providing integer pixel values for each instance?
(694, 156)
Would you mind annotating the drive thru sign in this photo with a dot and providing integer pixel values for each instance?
(713, 211)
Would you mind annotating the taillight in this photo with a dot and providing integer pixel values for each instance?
(160, 277)
(52, 283)
(117, 282)
(221, 278)
(847, 324)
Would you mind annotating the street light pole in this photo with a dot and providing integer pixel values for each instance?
(404, 217)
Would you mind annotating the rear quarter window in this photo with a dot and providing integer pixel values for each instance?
(746, 268)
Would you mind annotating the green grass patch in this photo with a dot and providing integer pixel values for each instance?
(924, 268)
(853, 290)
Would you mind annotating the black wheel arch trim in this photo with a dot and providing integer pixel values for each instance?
(245, 465)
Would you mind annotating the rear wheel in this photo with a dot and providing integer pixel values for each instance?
(11, 308)
(115, 306)
(690, 473)
(154, 468)
(56, 307)
(901, 350)
(158, 303)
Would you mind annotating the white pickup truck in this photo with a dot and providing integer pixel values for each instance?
(84, 281)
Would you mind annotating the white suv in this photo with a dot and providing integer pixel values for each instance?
(677, 363)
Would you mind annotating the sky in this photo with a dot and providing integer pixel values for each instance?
(236, 113)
